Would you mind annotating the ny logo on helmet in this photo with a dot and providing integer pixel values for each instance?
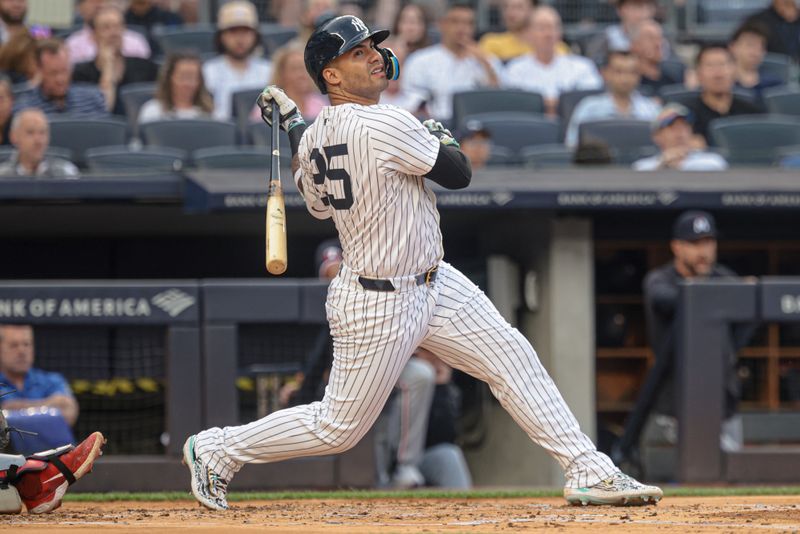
(360, 26)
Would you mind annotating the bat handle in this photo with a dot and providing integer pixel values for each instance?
(276, 126)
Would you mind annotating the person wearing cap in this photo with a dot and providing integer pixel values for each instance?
(235, 68)
(694, 250)
(476, 143)
(672, 133)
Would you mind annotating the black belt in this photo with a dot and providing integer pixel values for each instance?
(378, 284)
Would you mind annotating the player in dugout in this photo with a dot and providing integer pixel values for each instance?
(366, 166)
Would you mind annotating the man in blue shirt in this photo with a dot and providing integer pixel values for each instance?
(34, 388)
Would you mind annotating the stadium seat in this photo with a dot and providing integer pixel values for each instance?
(778, 65)
(568, 101)
(232, 157)
(122, 157)
(783, 100)
(198, 38)
(189, 135)
(242, 104)
(628, 139)
(133, 97)
(514, 131)
(481, 101)
(547, 156)
(500, 156)
(680, 94)
(274, 36)
(755, 139)
(260, 136)
(79, 135)
(674, 68)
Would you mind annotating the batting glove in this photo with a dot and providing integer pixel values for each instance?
(444, 135)
(290, 115)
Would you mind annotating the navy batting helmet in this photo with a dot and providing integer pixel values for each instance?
(337, 36)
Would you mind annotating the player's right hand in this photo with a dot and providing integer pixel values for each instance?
(290, 115)
(444, 135)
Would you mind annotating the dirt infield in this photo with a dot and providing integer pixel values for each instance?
(673, 514)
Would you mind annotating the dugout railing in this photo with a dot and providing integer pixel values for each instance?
(706, 311)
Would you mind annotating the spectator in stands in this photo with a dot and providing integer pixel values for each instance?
(621, 99)
(672, 133)
(307, 15)
(513, 42)
(30, 135)
(55, 93)
(290, 74)
(148, 14)
(18, 59)
(618, 36)
(457, 64)
(236, 68)
(715, 73)
(782, 18)
(443, 463)
(82, 46)
(410, 32)
(545, 71)
(111, 70)
(749, 46)
(647, 44)
(181, 92)
(6, 109)
(12, 18)
(694, 249)
(476, 143)
(34, 387)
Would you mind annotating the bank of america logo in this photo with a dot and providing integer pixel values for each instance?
(173, 301)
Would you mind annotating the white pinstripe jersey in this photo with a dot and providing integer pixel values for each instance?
(363, 166)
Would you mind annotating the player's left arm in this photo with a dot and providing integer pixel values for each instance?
(452, 169)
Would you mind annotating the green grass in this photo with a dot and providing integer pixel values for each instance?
(722, 491)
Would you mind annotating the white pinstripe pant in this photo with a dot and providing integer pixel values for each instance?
(374, 335)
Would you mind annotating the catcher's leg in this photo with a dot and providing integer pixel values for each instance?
(44, 478)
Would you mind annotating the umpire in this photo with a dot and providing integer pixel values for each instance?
(694, 250)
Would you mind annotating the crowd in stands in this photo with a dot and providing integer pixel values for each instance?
(627, 69)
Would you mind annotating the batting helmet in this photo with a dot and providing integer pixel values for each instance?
(337, 36)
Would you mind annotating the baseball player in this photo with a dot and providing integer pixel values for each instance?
(367, 166)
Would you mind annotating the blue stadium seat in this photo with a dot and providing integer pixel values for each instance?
(547, 156)
(242, 103)
(567, 102)
(778, 65)
(674, 68)
(189, 135)
(79, 135)
(514, 131)
(232, 157)
(198, 38)
(682, 95)
(783, 100)
(481, 101)
(123, 158)
(260, 135)
(274, 36)
(133, 97)
(628, 139)
(755, 139)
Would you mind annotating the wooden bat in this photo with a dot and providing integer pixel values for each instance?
(276, 210)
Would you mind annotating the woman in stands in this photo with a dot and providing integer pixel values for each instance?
(289, 73)
(18, 59)
(6, 107)
(411, 28)
(181, 92)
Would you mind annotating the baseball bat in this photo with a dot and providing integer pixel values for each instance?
(276, 210)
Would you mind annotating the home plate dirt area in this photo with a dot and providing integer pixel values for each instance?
(673, 514)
